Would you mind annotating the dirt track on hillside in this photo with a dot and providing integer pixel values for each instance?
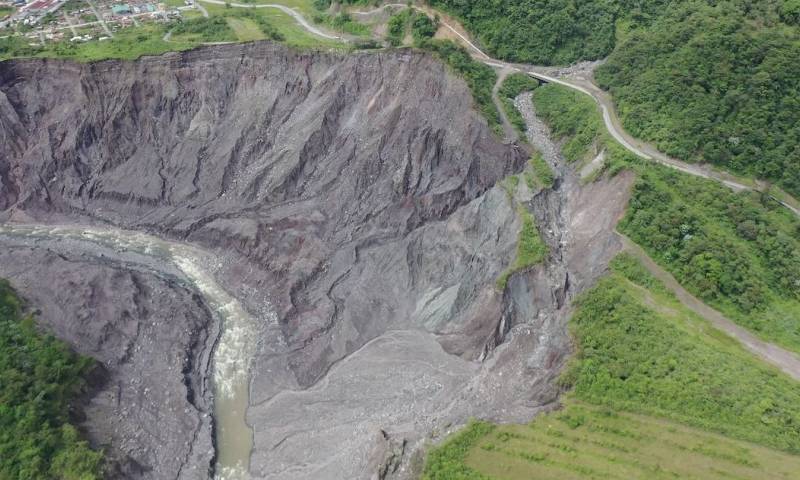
(785, 360)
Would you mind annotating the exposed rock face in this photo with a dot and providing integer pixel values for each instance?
(354, 194)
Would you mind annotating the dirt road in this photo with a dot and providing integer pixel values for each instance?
(785, 360)
(509, 131)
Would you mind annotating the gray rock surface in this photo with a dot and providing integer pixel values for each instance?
(353, 194)
(150, 404)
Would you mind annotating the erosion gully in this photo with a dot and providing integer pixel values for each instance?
(235, 346)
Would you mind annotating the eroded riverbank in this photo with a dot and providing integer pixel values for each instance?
(234, 348)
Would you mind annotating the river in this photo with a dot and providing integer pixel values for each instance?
(235, 347)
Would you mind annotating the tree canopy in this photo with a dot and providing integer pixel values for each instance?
(706, 80)
(39, 377)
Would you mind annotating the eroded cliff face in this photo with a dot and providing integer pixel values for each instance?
(352, 207)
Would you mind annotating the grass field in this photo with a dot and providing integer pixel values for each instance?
(583, 441)
(305, 7)
(293, 33)
(245, 29)
(127, 44)
(189, 14)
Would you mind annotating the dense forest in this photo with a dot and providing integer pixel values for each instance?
(706, 80)
(550, 31)
(738, 252)
(718, 84)
(39, 376)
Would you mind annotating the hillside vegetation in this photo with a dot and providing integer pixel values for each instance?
(573, 117)
(718, 84)
(738, 252)
(39, 376)
(705, 80)
(655, 391)
(640, 351)
(549, 31)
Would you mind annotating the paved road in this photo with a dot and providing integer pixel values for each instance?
(785, 360)
(297, 16)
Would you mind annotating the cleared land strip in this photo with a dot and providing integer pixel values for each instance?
(787, 361)
(297, 16)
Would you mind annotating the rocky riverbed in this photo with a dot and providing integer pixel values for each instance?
(349, 204)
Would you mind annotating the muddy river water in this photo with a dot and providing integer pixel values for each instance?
(235, 347)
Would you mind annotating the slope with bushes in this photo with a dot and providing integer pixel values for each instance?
(39, 377)
(738, 252)
(654, 392)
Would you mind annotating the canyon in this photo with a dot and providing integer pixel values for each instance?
(348, 209)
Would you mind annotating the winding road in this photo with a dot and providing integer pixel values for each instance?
(785, 360)
(601, 97)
